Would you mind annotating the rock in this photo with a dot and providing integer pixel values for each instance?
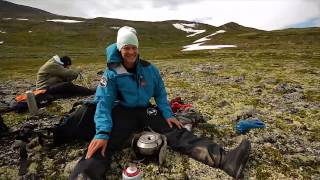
(206, 98)
(70, 166)
(206, 68)
(285, 88)
(288, 121)
(295, 96)
(247, 112)
(302, 104)
(268, 145)
(5, 92)
(4, 106)
(269, 81)
(241, 78)
(176, 72)
(292, 110)
(256, 91)
(303, 159)
(270, 139)
(223, 103)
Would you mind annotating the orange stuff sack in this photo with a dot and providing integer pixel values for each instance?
(23, 97)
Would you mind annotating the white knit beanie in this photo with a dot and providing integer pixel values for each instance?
(127, 35)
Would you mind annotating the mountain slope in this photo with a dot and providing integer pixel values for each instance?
(37, 37)
(11, 10)
(232, 26)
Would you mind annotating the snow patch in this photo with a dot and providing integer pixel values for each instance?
(6, 18)
(29, 31)
(199, 42)
(1, 42)
(206, 38)
(114, 27)
(189, 24)
(22, 19)
(197, 32)
(3, 32)
(64, 20)
(187, 29)
(198, 46)
(221, 31)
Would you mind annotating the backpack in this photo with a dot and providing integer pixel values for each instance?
(77, 124)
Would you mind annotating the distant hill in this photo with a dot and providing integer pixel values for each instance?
(11, 10)
(27, 32)
(232, 26)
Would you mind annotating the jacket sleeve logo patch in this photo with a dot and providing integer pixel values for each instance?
(103, 82)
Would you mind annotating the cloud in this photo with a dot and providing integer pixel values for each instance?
(261, 14)
(317, 23)
(172, 4)
(267, 14)
(314, 22)
(202, 19)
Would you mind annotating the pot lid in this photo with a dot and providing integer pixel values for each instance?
(149, 140)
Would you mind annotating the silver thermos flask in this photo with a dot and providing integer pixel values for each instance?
(32, 104)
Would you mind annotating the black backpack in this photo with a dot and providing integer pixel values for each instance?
(78, 124)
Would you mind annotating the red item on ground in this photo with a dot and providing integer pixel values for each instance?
(177, 105)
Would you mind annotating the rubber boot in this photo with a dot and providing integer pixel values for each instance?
(234, 161)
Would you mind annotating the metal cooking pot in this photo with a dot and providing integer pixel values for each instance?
(149, 143)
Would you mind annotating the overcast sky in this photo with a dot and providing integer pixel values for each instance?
(261, 14)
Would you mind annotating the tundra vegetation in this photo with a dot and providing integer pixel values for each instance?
(271, 75)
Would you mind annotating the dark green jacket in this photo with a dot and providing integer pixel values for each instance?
(52, 73)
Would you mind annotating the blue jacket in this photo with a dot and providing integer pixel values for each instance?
(135, 90)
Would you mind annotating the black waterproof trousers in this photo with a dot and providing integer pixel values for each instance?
(3, 127)
(68, 89)
(127, 121)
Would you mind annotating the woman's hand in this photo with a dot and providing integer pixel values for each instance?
(171, 121)
(96, 144)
